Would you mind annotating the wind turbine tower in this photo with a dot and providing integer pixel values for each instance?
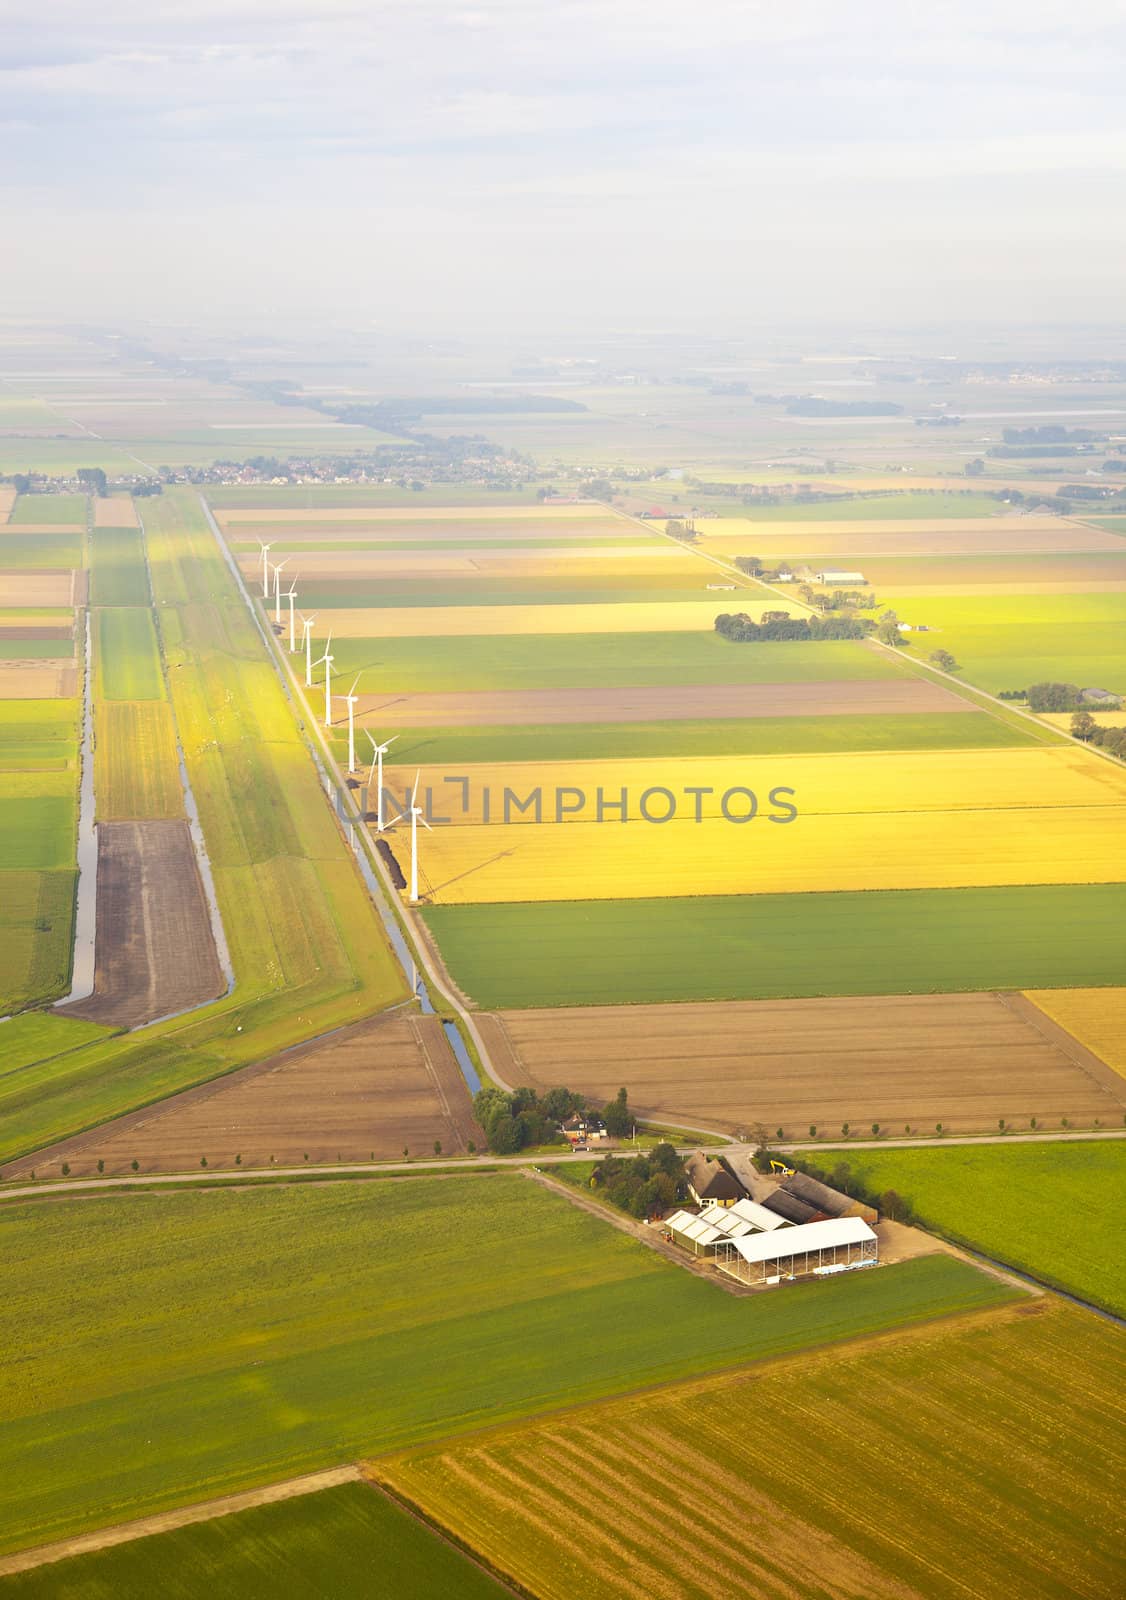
(307, 641)
(416, 816)
(326, 661)
(376, 769)
(291, 596)
(265, 548)
(277, 589)
(351, 697)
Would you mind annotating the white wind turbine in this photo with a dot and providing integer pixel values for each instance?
(307, 641)
(291, 596)
(265, 549)
(326, 661)
(376, 770)
(277, 589)
(416, 816)
(351, 697)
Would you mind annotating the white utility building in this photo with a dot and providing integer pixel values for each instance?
(814, 1249)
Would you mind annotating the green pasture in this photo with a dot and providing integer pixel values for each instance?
(126, 655)
(38, 735)
(117, 568)
(1053, 1210)
(728, 947)
(37, 828)
(62, 457)
(40, 1035)
(31, 551)
(923, 504)
(35, 950)
(334, 1543)
(598, 660)
(35, 650)
(579, 741)
(49, 508)
(204, 1342)
(1010, 641)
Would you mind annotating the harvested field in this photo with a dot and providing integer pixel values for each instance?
(991, 536)
(115, 511)
(631, 562)
(39, 588)
(38, 680)
(800, 1478)
(962, 1060)
(1094, 1017)
(514, 707)
(366, 1092)
(154, 953)
(673, 616)
(18, 529)
(436, 535)
(37, 630)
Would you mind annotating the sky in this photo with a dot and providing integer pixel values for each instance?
(447, 165)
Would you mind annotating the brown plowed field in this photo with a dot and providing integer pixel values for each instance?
(37, 630)
(153, 949)
(962, 1060)
(115, 511)
(537, 707)
(38, 680)
(37, 588)
(371, 1089)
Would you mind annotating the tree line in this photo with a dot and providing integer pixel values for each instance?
(518, 1119)
(779, 625)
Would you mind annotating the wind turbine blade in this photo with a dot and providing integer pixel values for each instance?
(398, 817)
(371, 738)
(355, 681)
(424, 822)
(414, 789)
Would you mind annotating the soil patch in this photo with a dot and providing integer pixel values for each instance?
(154, 953)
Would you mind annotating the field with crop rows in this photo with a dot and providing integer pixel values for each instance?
(333, 1542)
(1097, 1018)
(126, 655)
(804, 1480)
(136, 770)
(405, 1330)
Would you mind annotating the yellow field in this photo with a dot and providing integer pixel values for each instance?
(658, 616)
(1096, 1017)
(872, 821)
(136, 772)
(115, 511)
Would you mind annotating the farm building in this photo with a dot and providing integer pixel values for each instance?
(817, 1249)
(825, 1201)
(840, 577)
(701, 1232)
(1099, 697)
(790, 1208)
(709, 1182)
(582, 1126)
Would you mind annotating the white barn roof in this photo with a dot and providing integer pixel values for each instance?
(745, 1216)
(808, 1236)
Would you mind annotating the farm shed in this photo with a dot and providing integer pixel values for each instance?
(840, 577)
(791, 1208)
(828, 1202)
(701, 1232)
(710, 1183)
(817, 1249)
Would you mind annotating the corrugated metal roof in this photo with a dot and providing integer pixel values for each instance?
(796, 1241)
(758, 1216)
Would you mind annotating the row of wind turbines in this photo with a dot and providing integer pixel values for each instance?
(414, 810)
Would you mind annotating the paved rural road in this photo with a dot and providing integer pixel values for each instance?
(142, 1181)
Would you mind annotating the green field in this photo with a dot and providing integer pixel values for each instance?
(37, 831)
(36, 649)
(39, 1035)
(981, 1459)
(598, 660)
(277, 1330)
(727, 947)
(117, 568)
(36, 508)
(126, 657)
(35, 950)
(1052, 1209)
(38, 735)
(1010, 641)
(579, 741)
(35, 550)
(334, 1543)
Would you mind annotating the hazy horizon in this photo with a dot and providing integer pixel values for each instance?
(462, 166)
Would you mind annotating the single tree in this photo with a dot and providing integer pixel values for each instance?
(944, 660)
(65, 1169)
(136, 1166)
(437, 1147)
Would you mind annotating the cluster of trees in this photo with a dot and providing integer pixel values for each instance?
(1049, 697)
(1049, 440)
(811, 405)
(642, 1185)
(513, 1121)
(1084, 726)
(837, 599)
(944, 660)
(678, 529)
(776, 625)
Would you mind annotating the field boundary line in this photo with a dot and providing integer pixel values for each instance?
(165, 1521)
